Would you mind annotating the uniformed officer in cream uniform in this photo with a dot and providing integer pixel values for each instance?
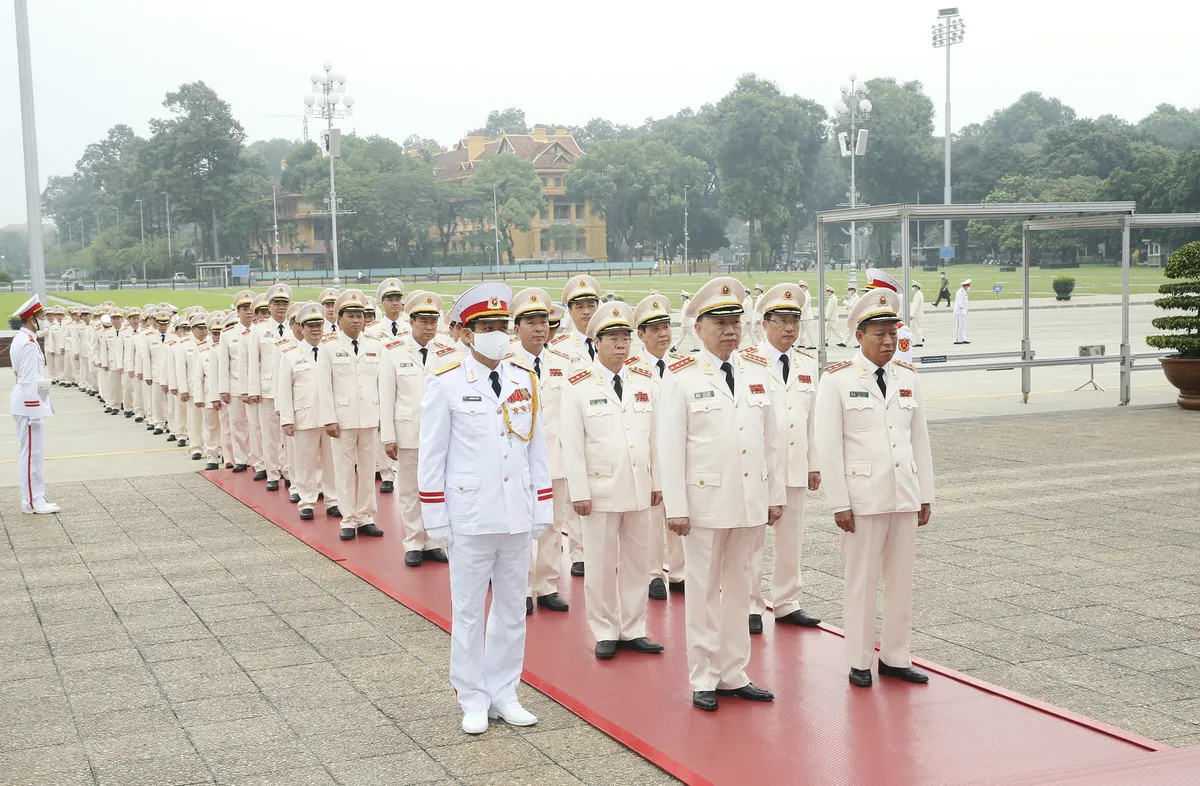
(880, 279)
(157, 370)
(795, 375)
(348, 399)
(808, 320)
(652, 317)
(259, 311)
(231, 382)
(530, 309)
(300, 416)
(833, 327)
(873, 449)
(206, 399)
(484, 476)
(328, 300)
(390, 298)
(608, 442)
(721, 465)
(262, 352)
(189, 394)
(961, 307)
(407, 360)
(687, 341)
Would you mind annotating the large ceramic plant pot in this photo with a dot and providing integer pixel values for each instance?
(1184, 373)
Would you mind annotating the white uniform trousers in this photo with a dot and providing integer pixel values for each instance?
(547, 562)
(404, 472)
(115, 389)
(356, 490)
(210, 421)
(195, 427)
(158, 398)
(717, 604)
(225, 443)
(808, 333)
(387, 467)
(129, 388)
(31, 452)
(574, 533)
(786, 586)
(918, 332)
(254, 455)
(239, 431)
(833, 330)
(617, 546)
(486, 667)
(886, 542)
(289, 455)
(960, 332)
(272, 439)
(314, 451)
(662, 538)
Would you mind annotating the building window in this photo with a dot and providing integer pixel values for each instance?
(579, 214)
(558, 182)
(544, 241)
(318, 262)
(562, 212)
(543, 182)
(581, 240)
(544, 213)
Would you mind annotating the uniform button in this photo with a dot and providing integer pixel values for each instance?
(741, 428)
(893, 444)
(631, 447)
(702, 483)
(789, 406)
(853, 474)
(506, 480)
(506, 455)
(499, 411)
(743, 452)
(460, 488)
(791, 425)
(745, 474)
(790, 443)
(596, 474)
(897, 463)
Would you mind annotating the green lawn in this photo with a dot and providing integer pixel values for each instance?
(1088, 281)
(10, 302)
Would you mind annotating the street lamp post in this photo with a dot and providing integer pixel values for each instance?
(170, 253)
(275, 213)
(946, 34)
(327, 93)
(855, 107)
(142, 221)
(496, 225)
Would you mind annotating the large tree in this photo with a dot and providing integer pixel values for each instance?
(505, 121)
(518, 193)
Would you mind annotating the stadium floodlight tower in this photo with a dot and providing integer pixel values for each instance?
(946, 33)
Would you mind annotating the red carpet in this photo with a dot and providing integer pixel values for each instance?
(820, 730)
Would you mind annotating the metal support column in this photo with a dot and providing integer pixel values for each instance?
(33, 189)
(1126, 355)
(905, 292)
(822, 350)
(1026, 346)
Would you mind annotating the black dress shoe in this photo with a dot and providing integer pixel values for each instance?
(908, 674)
(378, 476)
(387, 487)
(705, 700)
(210, 466)
(294, 498)
(150, 427)
(334, 512)
(287, 482)
(240, 467)
(197, 456)
(860, 677)
(157, 431)
(272, 485)
(347, 533)
(576, 568)
(749, 692)
(658, 590)
(371, 530)
(799, 619)
(606, 650)
(841, 345)
(108, 410)
(413, 559)
(181, 443)
(641, 644)
(260, 475)
(306, 514)
(171, 438)
(553, 602)
(528, 605)
(435, 555)
(755, 624)
(676, 586)
(138, 420)
(130, 414)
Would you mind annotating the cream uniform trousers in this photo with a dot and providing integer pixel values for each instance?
(314, 449)
(662, 539)
(887, 543)
(786, 586)
(616, 599)
(720, 573)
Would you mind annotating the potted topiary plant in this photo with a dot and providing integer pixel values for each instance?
(1063, 287)
(1183, 368)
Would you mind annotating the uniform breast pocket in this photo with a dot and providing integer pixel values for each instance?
(599, 420)
(859, 413)
(463, 498)
(706, 416)
(804, 398)
(472, 419)
(642, 415)
(756, 408)
(907, 407)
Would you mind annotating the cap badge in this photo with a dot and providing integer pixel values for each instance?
(787, 294)
(654, 304)
(533, 299)
(883, 300)
(429, 300)
(616, 312)
(494, 303)
(725, 290)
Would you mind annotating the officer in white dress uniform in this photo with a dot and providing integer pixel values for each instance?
(873, 449)
(879, 279)
(30, 405)
(833, 328)
(187, 392)
(652, 317)
(687, 341)
(262, 353)
(795, 376)
(231, 383)
(206, 399)
(328, 300)
(960, 313)
(407, 360)
(259, 311)
(916, 310)
(808, 320)
(389, 296)
(484, 476)
(608, 438)
(721, 465)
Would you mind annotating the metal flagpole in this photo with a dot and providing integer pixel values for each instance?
(33, 196)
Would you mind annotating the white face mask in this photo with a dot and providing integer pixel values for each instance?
(494, 345)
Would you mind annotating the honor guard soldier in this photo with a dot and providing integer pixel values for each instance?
(961, 307)
(687, 341)
(402, 378)
(131, 390)
(721, 454)
(608, 442)
(231, 382)
(262, 352)
(653, 320)
(873, 448)
(348, 399)
(328, 300)
(808, 320)
(30, 405)
(794, 392)
(299, 413)
(833, 328)
(877, 280)
(141, 368)
(484, 476)
(916, 310)
(531, 315)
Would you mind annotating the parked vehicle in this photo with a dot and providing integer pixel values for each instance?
(180, 277)
(74, 274)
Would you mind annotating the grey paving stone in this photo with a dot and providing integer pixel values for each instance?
(297, 655)
(181, 769)
(306, 776)
(400, 769)
(265, 730)
(331, 747)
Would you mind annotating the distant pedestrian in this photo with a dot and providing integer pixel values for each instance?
(944, 292)
(960, 313)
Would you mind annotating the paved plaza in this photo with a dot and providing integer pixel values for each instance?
(159, 632)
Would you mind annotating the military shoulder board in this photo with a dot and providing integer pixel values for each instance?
(289, 349)
(281, 342)
(802, 352)
(329, 337)
(902, 364)
(681, 364)
(640, 370)
(448, 367)
(519, 363)
(395, 343)
(206, 348)
(557, 339)
(562, 355)
(749, 354)
(837, 366)
(582, 375)
(631, 360)
(445, 351)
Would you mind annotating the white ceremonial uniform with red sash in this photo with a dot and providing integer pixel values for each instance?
(30, 405)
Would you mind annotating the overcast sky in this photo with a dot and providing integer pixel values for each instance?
(437, 68)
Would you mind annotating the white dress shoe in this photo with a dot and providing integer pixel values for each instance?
(513, 714)
(47, 508)
(475, 722)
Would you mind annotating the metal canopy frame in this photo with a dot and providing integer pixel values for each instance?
(1035, 217)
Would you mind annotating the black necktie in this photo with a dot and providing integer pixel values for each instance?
(162, 337)
(728, 369)
(424, 356)
(354, 341)
(495, 378)
(617, 386)
(281, 331)
(784, 360)
(537, 367)
(662, 367)
(395, 329)
(591, 349)
(882, 384)
(314, 354)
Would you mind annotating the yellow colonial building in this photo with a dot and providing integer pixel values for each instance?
(303, 236)
(552, 153)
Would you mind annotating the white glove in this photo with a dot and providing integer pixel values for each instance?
(441, 536)
(540, 529)
(43, 385)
